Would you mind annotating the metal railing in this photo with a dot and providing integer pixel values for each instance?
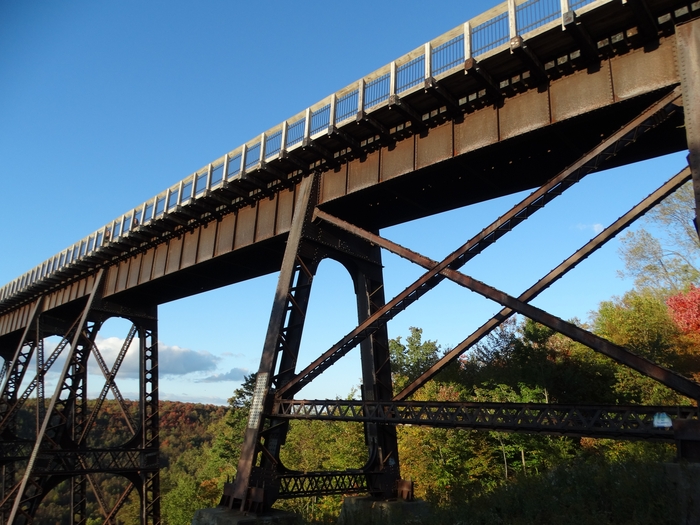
(482, 36)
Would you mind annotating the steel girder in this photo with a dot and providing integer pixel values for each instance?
(325, 484)
(60, 450)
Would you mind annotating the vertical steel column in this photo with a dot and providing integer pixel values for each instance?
(252, 445)
(376, 377)
(22, 356)
(78, 374)
(150, 422)
(688, 47)
(8, 480)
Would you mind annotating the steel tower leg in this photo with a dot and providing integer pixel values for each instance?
(56, 425)
(253, 488)
(150, 422)
(260, 473)
(61, 451)
(688, 47)
(16, 368)
(376, 379)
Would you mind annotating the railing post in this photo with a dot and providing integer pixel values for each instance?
(179, 196)
(263, 140)
(467, 40)
(209, 170)
(331, 117)
(565, 16)
(361, 96)
(283, 139)
(428, 52)
(392, 79)
(307, 127)
(512, 22)
(244, 154)
(224, 175)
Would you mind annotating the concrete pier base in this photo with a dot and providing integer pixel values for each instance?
(367, 511)
(225, 516)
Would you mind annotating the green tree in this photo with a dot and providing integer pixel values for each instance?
(668, 261)
(410, 360)
(640, 321)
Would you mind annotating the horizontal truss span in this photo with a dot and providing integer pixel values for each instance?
(303, 484)
(598, 421)
(78, 462)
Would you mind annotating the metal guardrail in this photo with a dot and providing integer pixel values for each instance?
(481, 36)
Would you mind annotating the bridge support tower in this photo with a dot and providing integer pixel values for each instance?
(261, 477)
(59, 448)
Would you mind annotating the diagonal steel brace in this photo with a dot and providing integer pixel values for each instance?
(590, 162)
(665, 376)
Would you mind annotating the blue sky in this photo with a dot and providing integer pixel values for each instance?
(105, 104)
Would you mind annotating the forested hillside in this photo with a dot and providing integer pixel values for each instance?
(477, 476)
(184, 427)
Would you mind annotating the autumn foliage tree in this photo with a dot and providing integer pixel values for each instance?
(685, 310)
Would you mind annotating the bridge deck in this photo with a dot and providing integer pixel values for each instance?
(471, 132)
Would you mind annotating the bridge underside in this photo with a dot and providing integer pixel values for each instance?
(537, 138)
(262, 478)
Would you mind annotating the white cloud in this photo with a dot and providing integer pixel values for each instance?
(185, 397)
(596, 227)
(172, 360)
(235, 374)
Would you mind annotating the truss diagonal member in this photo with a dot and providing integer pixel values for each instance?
(110, 384)
(622, 355)
(3, 371)
(22, 504)
(120, 502)
(594, 244)
(98, 495)
(590, 162)
(667, 377)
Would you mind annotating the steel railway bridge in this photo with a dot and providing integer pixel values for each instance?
(532, 94)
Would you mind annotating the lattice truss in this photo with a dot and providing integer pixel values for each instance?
(261, 476)
(52, 441)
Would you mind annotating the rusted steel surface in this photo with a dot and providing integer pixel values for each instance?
(274, 350)
(688, 49)
(650, 118)
(382, 170)
(62, 448)
(540, 112)
(259, 465)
